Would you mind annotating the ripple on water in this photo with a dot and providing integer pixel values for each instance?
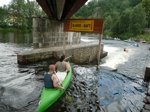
(90, 90)
(104, 91)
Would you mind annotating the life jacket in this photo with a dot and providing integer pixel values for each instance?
(48, 82)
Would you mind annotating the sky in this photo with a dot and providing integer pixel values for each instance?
(4, 2)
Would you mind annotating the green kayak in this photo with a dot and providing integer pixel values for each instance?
(49, 96)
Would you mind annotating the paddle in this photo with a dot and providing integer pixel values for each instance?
(68, 98)
(68, 57)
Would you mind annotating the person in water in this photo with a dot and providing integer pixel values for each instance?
(61, 65)
(50, 79)
(125, 50)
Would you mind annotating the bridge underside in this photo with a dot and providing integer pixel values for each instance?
(60, 9)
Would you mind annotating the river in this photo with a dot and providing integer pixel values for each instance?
(91, 89)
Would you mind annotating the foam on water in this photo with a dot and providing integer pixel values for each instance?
(116, 56)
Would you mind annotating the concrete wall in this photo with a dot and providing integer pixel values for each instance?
(49, 33)
(82, 53)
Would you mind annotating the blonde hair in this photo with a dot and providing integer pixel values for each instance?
(51, 67)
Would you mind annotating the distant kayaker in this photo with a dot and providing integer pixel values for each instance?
(61, 65)
(125, 50)
(50, 79)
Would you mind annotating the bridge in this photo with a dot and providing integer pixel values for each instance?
(60, 9)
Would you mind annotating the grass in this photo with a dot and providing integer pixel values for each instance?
(13, 29)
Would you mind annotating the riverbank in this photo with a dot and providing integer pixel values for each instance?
(13, 29)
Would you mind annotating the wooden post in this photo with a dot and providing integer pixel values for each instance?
(99, 49)
(64, 43)
(147, 74)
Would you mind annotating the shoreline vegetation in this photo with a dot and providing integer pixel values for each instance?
(126, 36)
(125, 20)
(144, 36)
(13, 29)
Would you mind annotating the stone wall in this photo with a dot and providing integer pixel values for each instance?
(82, 54)
(49, 33)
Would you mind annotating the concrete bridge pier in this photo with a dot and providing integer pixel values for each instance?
(49, 33)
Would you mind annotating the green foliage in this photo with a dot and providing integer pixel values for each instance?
(108, 23)
(13, 29)
(124, 5)
(116, 28)
(146, 6)
(125, 20)
(137, 20)
(108, 33)
(125, 36)
(19, 14)
(146, 37)
(133, 3)
(122, 18)
(3, 17)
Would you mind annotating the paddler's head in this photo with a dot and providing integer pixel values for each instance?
(51, 67)
(62, 58)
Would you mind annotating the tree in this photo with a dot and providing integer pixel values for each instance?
(83, 12)
(108, 23)
(116, 22)
(32, 8)
(124, 5)
(125, 20)
(96, 12)
(146, 6)
(17, 13)
(137, 20)
(21, 12)
(91, 5)
(3, 17)
(133, 3)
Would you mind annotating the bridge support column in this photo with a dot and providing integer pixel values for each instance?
(49, 33)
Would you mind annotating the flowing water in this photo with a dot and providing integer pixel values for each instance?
(91, 89)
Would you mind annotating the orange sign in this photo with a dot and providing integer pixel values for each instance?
(83, 25)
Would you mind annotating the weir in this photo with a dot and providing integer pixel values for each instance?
(49, 33)
(82, 53)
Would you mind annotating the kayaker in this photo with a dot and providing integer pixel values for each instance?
(50, 79)
(61, 65)
(125, 50)
(62, 69)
